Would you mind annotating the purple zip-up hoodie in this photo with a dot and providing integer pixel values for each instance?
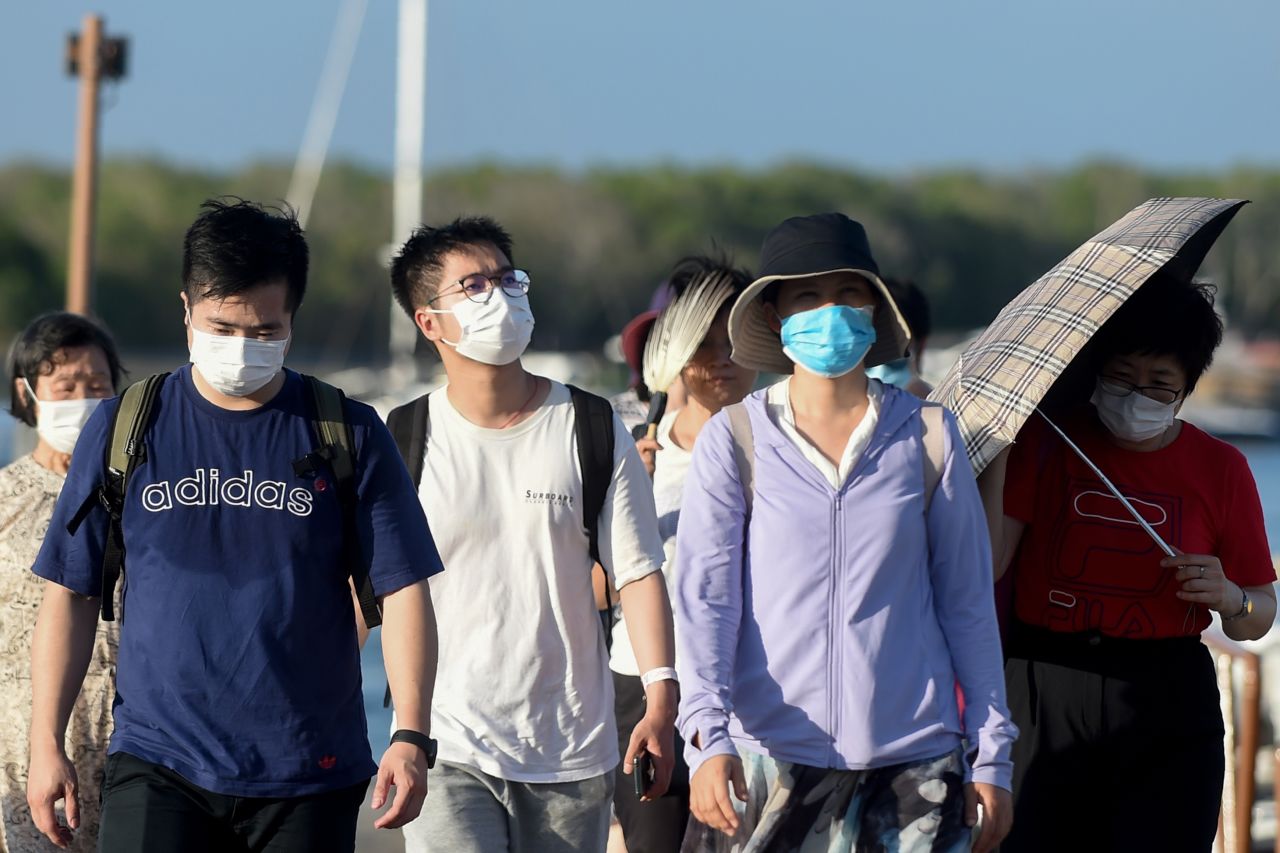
(837, 636)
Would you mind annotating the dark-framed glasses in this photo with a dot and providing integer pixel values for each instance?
(479, 287)
(1122, 388)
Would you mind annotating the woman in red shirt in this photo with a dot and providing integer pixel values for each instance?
(1116, 698)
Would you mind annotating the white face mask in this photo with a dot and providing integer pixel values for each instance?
(233, 365)
(1134, 416)
(494, 332)
(59, 422)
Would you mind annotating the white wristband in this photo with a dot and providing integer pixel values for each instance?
(659, 673)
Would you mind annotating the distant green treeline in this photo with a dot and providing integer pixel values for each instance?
(597, 242)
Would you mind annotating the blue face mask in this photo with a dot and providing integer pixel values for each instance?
(896, 373)
(829, 341)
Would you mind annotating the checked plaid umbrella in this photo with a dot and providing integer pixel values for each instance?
(1001, 378)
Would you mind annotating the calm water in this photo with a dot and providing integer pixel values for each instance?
(1264, 459)
(375, 685)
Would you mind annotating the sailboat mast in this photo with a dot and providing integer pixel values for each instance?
(324, 109)
(411, 89)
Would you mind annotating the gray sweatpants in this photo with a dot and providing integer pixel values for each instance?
(467, 811)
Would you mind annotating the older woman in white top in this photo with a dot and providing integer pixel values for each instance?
(61, 367)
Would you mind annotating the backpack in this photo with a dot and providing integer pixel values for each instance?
(126, 448)
(593, 428)
(932, 428)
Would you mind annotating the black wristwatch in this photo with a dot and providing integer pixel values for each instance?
(421, 741)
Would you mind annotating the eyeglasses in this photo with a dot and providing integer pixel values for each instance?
(479, 287)
(1121, 388)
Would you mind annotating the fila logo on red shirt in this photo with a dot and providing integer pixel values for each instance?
(207, 487)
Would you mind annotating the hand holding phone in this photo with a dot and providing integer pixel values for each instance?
(641, 773)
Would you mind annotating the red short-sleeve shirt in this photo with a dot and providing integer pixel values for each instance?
(1085, 564)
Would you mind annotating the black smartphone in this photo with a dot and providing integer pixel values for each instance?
(641, 773)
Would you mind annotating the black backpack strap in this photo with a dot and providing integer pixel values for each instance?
(593, 429)
(338, 448)
(408, 425)
(125, 450)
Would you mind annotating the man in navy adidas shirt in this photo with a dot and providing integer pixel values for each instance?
(239, 721)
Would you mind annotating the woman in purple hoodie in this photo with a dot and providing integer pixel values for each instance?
(835, 586)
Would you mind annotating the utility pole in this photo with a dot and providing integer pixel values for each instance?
(93, 58)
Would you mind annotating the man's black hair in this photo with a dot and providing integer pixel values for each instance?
(236, 245)
(914, 306)
(1167, 316)
(36, 352)
(416, 268)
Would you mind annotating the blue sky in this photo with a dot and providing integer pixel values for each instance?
(890, 86)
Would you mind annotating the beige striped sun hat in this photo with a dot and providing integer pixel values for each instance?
(803, 247)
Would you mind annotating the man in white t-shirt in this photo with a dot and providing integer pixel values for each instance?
(524, 709)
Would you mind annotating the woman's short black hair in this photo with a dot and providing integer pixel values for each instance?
(693, 267)
(35, 353)
(914, 306)
(772, 290)
(1166, 316)
(236, 245)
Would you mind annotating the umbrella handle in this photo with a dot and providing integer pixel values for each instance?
(657, 408)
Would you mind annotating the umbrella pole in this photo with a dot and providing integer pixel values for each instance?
(1137, 516)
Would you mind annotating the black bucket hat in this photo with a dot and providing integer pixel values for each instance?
(801, 247)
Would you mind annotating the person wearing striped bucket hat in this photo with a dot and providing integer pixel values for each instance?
(834, 585)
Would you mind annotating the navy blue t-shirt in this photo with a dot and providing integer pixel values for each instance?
(239, 667)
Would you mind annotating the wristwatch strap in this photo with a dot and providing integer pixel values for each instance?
(1244, 610)
(418, 739)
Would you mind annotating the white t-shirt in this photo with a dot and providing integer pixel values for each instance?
(523, 690)
(629, 408)
(778, 405)
(670, 467)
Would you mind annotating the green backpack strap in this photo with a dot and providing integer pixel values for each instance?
(338, 448)
(933, 428)
(125, 450)
(744, 452)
